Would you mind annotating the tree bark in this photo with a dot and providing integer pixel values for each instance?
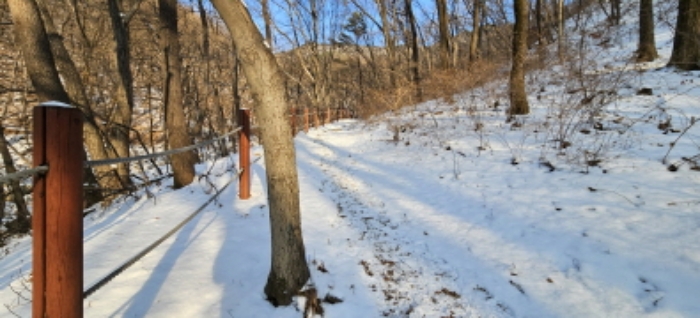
(561, 39)
(289, 271)
(518, 96)
(31, 38)
(686, 42)
(175, 122)
(93, 139)
(124, 97)
(415, 57)
(388, 41)
(646, 50)
(444, 30)
(476, 30)
(267, 17)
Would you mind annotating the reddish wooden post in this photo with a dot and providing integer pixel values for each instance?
(57, 223)
(306, 119)
(244, 154)
(317, 122)
(328, 115)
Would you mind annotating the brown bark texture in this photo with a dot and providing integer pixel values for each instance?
(518, 96)
(646, 49)
(686, 42)
(289, 271)
(444, 36)
(182, 163)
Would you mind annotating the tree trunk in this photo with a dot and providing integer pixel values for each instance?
(444, 30)
(646, 50)
(476, 30)
(175, 123)
(289, 271)
(542, 30)
(415, 57)
(93, 139)
(21, 223)
(561, 39)
(124, 96)
(33, 41)
(388, 41)
(31, 38)
(268, 22)
(616, 9)
(518, 96)
(686, 42)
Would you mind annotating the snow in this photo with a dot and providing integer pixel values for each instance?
(54, 103)
(447, 220)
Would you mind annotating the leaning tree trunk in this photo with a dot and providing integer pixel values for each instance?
(31, 38)
(289, 271)
(175, 123)
(518, 96)
(686, 43)
(106, 177)
(124, 95)
(646, 50)
(33, 41)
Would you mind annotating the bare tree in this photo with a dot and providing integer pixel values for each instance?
(646, 49)
(444, 34)
(518, 96)
(561, 38)
(32, 40)
(289, 271)
(267, 17)
(415, 57)
(107, 178)
(182, 163)
(686, 42)
(476, 30)
(389, 42)
(124, 98)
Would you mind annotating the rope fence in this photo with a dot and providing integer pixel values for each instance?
(105, 162)
(20, 175)
(57, 220)
(40, 170)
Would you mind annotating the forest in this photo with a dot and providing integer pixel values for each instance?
(154, 75)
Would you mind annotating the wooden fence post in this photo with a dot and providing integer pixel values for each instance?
(244, 153)
(306, 119)
(57, 221)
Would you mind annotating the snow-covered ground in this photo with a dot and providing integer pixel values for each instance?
(442, 209)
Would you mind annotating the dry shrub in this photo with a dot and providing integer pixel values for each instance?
(446, 83)
(439, 84)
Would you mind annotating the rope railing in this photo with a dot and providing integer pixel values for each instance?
(18, 176)
(57, 220)
(114, 273)
(105, 162)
